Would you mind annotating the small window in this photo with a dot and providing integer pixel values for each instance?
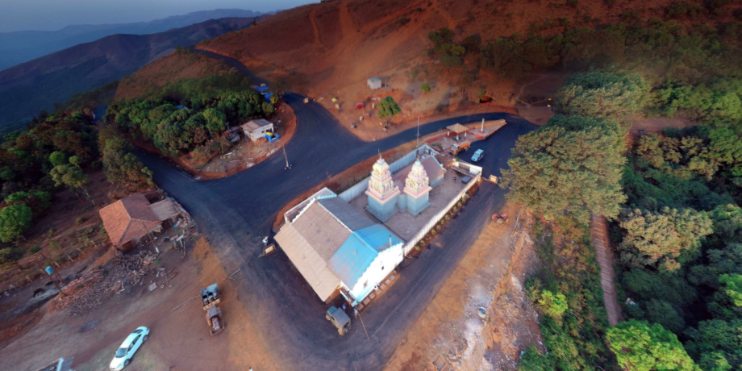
(365, 284)
(382, 268)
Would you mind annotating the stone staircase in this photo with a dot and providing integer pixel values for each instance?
(599, 239)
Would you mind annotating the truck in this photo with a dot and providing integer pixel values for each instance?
(339, 318)
(214, 320)
(459, 147)
(210, 297)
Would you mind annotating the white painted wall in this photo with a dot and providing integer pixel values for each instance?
(389, 259)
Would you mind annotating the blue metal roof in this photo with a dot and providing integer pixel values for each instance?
(377, 236)
(262, 88)
(268, 96)
(357, 253)
(374, 79)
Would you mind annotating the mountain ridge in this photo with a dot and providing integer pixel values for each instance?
(39, 84)
(22, 46)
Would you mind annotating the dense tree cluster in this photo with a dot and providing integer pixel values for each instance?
(572, 165)
(674, 196)
(210, 103)
(33, 163)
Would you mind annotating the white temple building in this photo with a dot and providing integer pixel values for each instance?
(384, 196)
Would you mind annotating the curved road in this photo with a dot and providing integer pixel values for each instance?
(235, 213)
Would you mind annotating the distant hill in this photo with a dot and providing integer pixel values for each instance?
(32, 86)
(23, 46)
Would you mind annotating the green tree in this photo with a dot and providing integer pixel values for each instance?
(659, 239)
(123, 168)
(639, 346)
(571, 165)
(6, 173)
(601, 95)
(14, 220)
(425, 87)
(214, 121)
(58, 158)
(533, 360)
(717, 336)
(268, 108)
(38, 201)
(71, 176)
(553, 305)
(388, 107)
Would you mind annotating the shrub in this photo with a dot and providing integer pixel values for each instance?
(552, 305)
(404, 21)
(10, 254)
(425, 87)
(35, 249)
(449, 61)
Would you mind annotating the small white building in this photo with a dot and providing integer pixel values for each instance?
(255, 129)
(374, 83)
(338, 249)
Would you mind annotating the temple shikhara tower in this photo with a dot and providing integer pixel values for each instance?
(382, 193)
(417, 188)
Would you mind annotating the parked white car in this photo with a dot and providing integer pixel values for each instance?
(128, 348)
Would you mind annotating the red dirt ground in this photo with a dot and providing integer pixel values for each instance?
(176, 335)
(492, 274)
(328, 50)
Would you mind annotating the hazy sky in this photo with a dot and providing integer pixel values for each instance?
(19, 15)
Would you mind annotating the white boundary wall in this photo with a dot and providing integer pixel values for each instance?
(435, 219)
(394, 167)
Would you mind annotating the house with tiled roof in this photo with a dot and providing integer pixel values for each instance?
(128, 220)
(338, 249)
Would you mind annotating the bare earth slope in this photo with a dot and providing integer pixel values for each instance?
(38, 84)
(329, 45)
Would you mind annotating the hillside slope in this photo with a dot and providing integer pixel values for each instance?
(330, 49)
(179, 65)
(23, 46)
(38, 84)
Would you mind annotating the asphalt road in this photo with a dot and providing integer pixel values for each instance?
(235, 213)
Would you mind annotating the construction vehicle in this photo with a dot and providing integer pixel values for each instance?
(210, 297)
(214, 320)
(460, 147)
(339, 318)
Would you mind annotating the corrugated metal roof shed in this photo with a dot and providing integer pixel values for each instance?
(165, 209)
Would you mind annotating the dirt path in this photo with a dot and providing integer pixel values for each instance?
(599, 238)
(523, 87)
(315, 29)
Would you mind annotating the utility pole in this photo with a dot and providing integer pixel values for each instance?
(418, 132)
(288, 166)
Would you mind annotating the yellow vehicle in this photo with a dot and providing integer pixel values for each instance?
(460, 147)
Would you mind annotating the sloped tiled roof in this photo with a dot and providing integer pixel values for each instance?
(128, 218)
(321, 230)
(309, 263)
